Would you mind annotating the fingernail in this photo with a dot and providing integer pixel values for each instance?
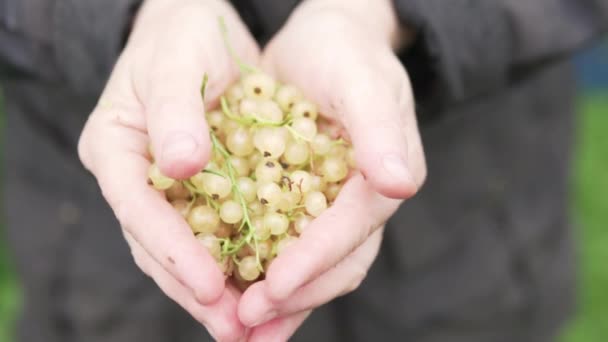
(270, 315)
(396, 167)
(179, 145)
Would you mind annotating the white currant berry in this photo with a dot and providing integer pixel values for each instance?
(215, 120)
(276, 222)
(248, 107)
(177, 191)
(181, 206)
(296, 152)
(203, 219)
(261, 231)
(269, 194)
(269, 111)
(159, 181)
(240, 166)
(240, 142)
(317, 183)
(212, 244)
(235, 93)
(301, 223)
(217, 187)
(248, 268)
(287, 96)
(304, 109)
(334, 169)
(315, 203)
(305, 128)
(268, 171)
(248, 188)
(332, 191)
(321, 144)
(259, 86)
(270, 141)
(301, 180)
(256, 208)
(231, 212)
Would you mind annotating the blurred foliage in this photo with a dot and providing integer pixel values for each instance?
(591, 213)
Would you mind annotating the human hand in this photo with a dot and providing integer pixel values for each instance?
(153, 97)
(340, 53)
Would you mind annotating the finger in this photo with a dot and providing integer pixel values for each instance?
(170, 89)
(356, 213)
(256, 308)
(377, 116)
(280, 329)
(121, 171)
(220, 318)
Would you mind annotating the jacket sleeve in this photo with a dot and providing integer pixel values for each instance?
(69, 40)
(466, 48)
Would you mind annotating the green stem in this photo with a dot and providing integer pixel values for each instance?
(244, 67)
(217, 146)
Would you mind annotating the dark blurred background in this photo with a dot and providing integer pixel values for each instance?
(589, 206)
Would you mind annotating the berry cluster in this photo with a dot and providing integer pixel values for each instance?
(276, 165)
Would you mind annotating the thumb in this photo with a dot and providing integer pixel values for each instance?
(169, 87)
(377, 120)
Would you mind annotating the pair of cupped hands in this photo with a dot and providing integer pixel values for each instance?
(341, 55)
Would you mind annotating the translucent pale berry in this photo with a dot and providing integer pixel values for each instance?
(332, 191)
(224, 230)
(350, 158)
(240, 166)
(334, 169)
(269, 194)
(215, 120)
(256, 208)
(264, 249)
(268, 171)
(321, 144)
(247, 187)
(235, 93)
(262, 232)
(315, 203)
(248, 268)
(305, 128)
(301, 180)
(270, 111)
(287, 96)
(231, 212)
(301, 223)
(284, 243)
(304, 109)
(239, 142)
(248, 107)
(217, 186)
(203, 219)
(317, 183)
(212, 244)
(259, 86)
(159, 181)
(181, 206)
(296, 152)
(177, 191)
(270, 141)
(277, 223)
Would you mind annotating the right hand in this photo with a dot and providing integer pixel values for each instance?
(153, 96)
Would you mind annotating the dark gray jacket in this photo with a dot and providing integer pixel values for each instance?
(483, 253)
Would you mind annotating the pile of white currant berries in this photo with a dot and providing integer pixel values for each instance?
(276, 165)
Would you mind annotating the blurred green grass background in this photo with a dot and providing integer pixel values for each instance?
(590, 210)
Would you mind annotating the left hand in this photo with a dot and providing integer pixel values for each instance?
(340, 54)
